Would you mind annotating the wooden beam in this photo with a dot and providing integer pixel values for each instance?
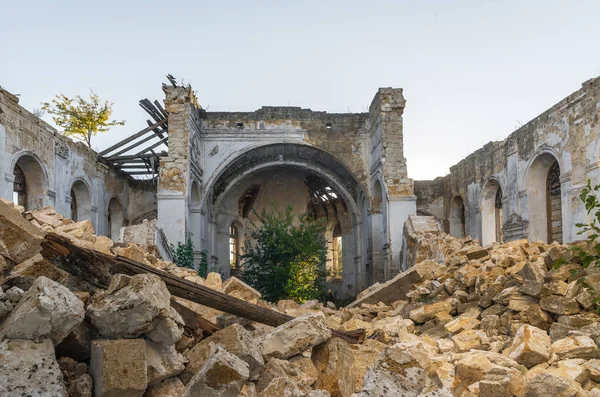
(131, 138)
(127, 158)
(134, 145)
(97, 269)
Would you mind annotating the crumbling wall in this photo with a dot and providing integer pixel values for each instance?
(567, 133)
(57, 163)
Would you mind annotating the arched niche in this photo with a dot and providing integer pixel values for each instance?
(544, 201)
(310, 180)
(115, 218)
(457, 218)
(81, 201)
(491, 213)
(378, 232)
(30, 184)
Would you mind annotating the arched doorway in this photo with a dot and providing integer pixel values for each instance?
(544, 203)
(115, 218)
(30, 183)
(309, 180)
(81, 202)
(491, 213)
(457, 217)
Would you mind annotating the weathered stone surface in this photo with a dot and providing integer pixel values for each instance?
(334, 361)
(428, 312)
(531, 346)
(168, 330)
(281, 387)
(29, 368)
(47, 310)
(470, 339)
(214, 281)
(593, 367)
(118, 367)
(223, 375)
(130, 306)
(460, 324)
(19, 239)
(392, 290)
(82, 386)
(559, 305)
(548, 384)
(162, 362)
(235, 287)
(396, 373)
(172, 387)
(576, 346)
(234, 339)
(299, 369)
(296, 336)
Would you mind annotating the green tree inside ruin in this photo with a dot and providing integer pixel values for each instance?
(285, 256)
(79, 117)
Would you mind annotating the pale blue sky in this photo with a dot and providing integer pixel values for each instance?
(471, 70)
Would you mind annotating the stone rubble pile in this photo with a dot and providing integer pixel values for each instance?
(490, 322)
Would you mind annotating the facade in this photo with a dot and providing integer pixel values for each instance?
(41, 168)
(528, 185)
(347, 169)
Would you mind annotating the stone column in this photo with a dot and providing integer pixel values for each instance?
(174, 178)
(386, 111)
(514, 201)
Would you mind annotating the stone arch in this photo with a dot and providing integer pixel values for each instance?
(81, 201)
(318, 169)
(544, 203)
(116, 218)
(491, 212)
(34, 179)
(457, 217)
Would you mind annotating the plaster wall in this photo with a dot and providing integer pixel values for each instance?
(568, 132)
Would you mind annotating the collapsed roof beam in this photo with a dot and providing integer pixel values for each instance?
(133, 137)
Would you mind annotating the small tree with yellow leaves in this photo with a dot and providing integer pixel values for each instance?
(81, 118)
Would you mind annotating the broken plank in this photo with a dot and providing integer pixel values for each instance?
(131, 138)
(98, 268)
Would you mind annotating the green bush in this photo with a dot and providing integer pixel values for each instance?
(588, 254)
(183, 254)
(284, 259)
(203, 268)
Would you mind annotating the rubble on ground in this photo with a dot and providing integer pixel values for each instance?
(471, 321)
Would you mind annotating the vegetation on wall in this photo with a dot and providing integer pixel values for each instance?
(79, 117)
(183, 254)
(285, 256)
(587, 254)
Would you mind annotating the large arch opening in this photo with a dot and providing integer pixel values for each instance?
(491, 213)
(544, 201)
(312, 182)
(81, 202)
(115, 218)
(30, 184)
(457, 218)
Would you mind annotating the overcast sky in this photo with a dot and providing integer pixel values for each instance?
(471, 70)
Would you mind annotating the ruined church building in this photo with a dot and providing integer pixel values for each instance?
(222, 168)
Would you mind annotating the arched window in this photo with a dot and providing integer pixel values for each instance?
(73, 206)
(234, 248)
(498, 214)
(19, 187)
(337, 251)
(554, 204)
